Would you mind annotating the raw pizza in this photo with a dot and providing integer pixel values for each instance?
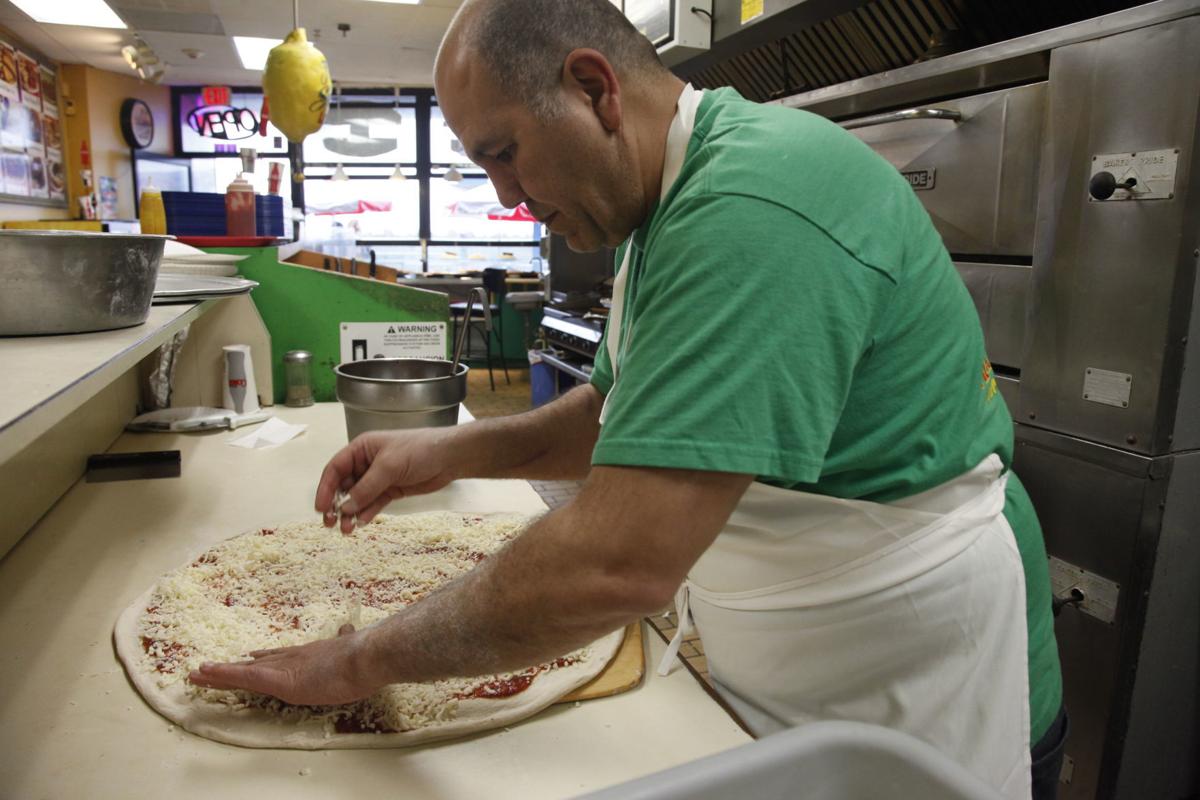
(294, 583)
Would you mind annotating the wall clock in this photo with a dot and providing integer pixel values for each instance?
(137, 123)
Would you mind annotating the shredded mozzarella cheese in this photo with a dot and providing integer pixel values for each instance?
(284, 586)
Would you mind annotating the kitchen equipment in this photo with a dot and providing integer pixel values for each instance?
(195, 418)
(622, 673)
(173, 287)
(104, 467)
(209, 269)
(297, 364)
(1063, 175)
(75, 281)
(202, 258)
(240, 393)
(394, 393)
(831, 760)
(462, 335)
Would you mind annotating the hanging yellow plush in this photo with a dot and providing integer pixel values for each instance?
(297, 86)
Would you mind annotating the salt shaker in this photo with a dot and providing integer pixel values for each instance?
(297, 364)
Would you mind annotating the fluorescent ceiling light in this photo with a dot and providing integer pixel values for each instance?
(86, 13)
(253, 50)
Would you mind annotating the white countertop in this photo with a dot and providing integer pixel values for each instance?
(45, 378)
(71, 725)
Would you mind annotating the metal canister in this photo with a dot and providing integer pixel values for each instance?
(297, 365)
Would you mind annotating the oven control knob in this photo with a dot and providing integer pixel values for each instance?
(1103, 184)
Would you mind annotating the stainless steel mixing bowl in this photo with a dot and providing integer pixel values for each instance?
(396, 393)
(75, 281)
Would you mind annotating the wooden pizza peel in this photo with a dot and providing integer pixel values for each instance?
(622, 673)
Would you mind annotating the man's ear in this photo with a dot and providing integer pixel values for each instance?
(588, 74)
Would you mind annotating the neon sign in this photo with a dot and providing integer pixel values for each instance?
(218, 119)
(223, 122)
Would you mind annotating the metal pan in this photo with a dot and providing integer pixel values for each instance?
(75, 281)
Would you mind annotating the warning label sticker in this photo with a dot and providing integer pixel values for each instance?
(363, 340)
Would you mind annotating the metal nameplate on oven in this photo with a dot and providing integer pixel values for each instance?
(1143, 175)
(1107, 387)
(920, 180)
(1099, 595)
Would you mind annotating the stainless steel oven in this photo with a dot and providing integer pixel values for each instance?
(1062, 173)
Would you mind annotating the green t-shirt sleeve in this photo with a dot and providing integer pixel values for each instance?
(602, 377)
(746, 325)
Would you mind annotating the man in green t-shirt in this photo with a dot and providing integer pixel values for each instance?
(792, 410)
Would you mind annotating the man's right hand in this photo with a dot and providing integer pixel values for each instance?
(379, 467)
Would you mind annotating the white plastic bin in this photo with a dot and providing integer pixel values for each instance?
(821, 761)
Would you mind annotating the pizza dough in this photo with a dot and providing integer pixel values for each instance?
(294, 583)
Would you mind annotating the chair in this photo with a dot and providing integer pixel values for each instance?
(496, 287)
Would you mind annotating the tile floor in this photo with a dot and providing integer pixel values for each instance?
(513, 398)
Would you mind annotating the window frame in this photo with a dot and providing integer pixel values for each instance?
(422, 101)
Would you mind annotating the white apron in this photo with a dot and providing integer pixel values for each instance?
(909, 615)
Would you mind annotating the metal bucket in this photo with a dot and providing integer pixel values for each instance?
(397, 393)
(75, 281)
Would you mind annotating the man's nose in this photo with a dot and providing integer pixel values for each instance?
(508, 189)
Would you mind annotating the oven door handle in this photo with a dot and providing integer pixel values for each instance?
(902, 116)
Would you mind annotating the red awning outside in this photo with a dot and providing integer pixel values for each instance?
(482, 201)
(349, 207)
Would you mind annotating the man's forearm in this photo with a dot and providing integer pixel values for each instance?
(553, 442)
(615, 553)
(533, 601)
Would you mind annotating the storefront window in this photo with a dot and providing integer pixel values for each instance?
(368, 135)
(362, 208)
(364, 135)
(444, 147)
(464, 257)
(469, 211)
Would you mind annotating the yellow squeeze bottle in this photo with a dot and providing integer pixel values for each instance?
(153, 216)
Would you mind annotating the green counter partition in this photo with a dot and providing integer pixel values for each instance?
(303, 307)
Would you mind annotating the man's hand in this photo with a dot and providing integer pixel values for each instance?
(379, 467)
(325, 672)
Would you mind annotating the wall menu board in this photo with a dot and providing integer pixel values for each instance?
(31, 143)
(215, 120)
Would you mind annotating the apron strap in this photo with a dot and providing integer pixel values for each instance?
(678, 136)
(684, 614)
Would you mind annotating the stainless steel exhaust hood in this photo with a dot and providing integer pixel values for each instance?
(805, 45)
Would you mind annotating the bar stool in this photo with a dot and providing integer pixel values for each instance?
(496, 287)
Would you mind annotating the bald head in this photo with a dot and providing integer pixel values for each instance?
(522, 45)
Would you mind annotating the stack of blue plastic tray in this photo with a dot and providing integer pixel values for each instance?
(268, 209)
(203, 214)
(195, 213)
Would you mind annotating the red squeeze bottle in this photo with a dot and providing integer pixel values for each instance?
(240, 219)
